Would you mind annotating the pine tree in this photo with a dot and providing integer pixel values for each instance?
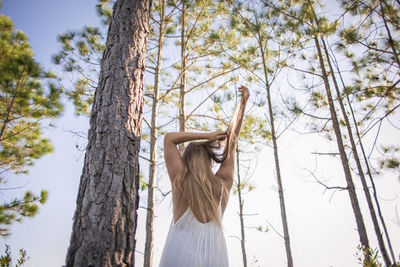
(376, 71)
(299, 17)
(105, 218)
(202, 64)
(161, 20)
(375, 63)
(25, 103)
(258, 26)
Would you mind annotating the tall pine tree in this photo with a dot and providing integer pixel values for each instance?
(105, 218)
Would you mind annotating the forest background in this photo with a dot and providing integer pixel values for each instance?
(320, 220)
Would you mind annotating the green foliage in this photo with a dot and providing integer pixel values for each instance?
(17, 209)
(6, 259)
(24, 101)
(28, 95)
(350, 35)
(80, 55)
(390, 159)
(142, 183)
(104, 11)
(368, 257)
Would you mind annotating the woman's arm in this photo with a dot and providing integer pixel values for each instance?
(173, 159)
(181, 137)
(226, 169)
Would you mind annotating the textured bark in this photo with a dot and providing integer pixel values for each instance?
(362, 232)
(105, 219)
(276, 158)
(375, 222)
(148, 249)
(239, 188)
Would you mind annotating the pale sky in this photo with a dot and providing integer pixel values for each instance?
(321, 223)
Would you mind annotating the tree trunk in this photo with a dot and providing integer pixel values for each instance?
(239, 188)
(391, 42)
(366, 161)
(377, 229)
(11, 106)
(346, 168)
(276, 158)
(7, 118)
(148, 251)
(105, 219)
(378, 206)
(182, 119)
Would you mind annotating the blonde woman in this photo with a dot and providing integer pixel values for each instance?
(195, 237)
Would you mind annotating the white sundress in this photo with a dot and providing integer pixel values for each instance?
(191, 243)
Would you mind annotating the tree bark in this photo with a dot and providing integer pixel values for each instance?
(239, 188)
(345, 164)
(276, 158)
(148, 251)
(182, 103)
(105, 219)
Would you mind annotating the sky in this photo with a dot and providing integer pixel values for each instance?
(321, 223)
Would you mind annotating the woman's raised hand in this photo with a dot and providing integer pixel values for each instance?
(217, 135)
(245, 92)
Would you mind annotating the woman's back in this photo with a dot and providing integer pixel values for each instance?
(192, 243)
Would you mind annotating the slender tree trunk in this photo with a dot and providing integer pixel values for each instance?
(148, 252)
(182, 102)
(390, 38)
(7, 118)
(346, 168)
(105, 219)
(239, 188)
(378, 206)
(377, 229)
(11, 106)
(276, 158)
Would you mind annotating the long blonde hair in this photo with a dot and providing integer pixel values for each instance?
(196, 182)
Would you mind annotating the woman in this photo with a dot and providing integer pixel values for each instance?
(200, 197)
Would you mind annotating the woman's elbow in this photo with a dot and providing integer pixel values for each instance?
(168, 138)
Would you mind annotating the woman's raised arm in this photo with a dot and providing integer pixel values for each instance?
(181, 137)
(226, 169)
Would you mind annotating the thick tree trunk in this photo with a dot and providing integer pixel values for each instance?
(345, 164)
(106, 214)
(148, 250)
(239, 188)
(276, 158)
(377, 229)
